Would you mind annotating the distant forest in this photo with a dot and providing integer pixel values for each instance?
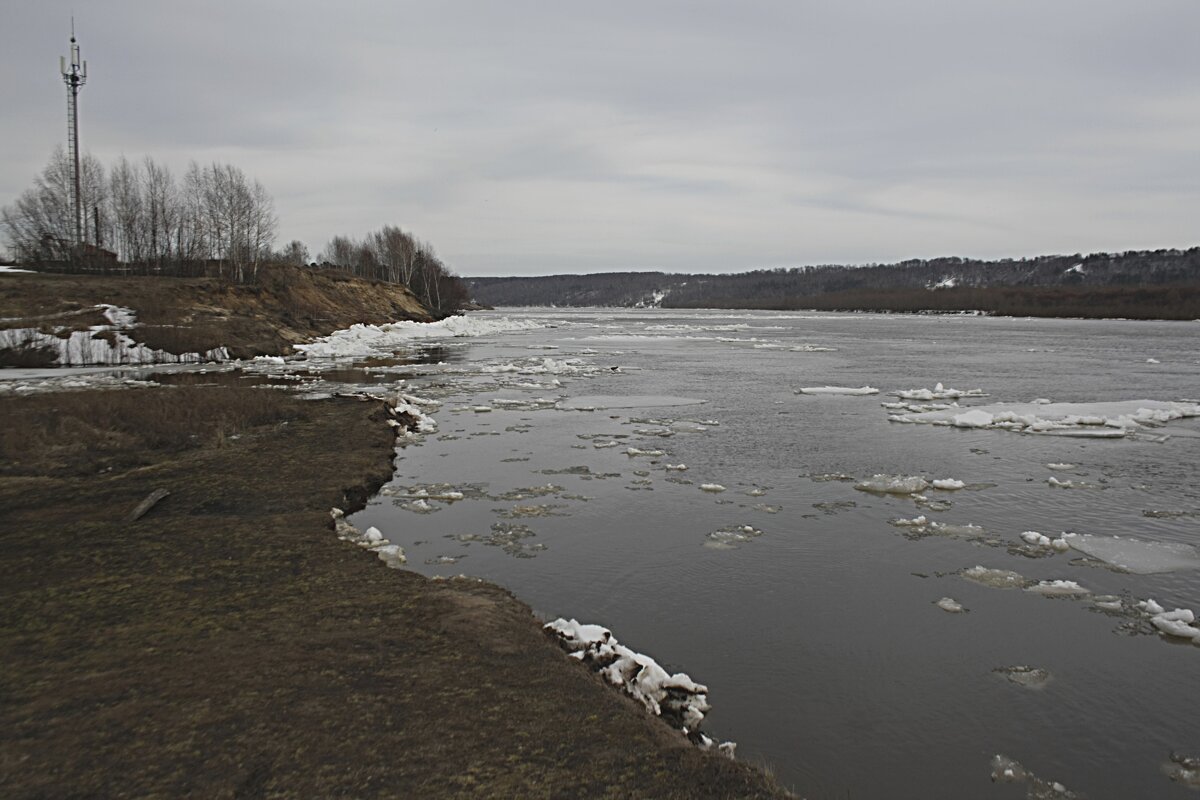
(1158, 284)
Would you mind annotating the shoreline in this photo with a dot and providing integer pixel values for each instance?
(228, 644)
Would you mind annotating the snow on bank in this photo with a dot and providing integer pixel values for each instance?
(676, 698)
(371, 539)
(367, 340)
(411, 419)
(100, 344)
(840, 390)
(1103, 420)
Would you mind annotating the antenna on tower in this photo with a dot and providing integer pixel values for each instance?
(74, 76)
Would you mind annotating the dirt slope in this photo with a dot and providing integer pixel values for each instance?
(180, 315)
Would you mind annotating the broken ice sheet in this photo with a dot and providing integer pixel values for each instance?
(1136, 555)
(893, 484)
(994, 578)
(1183, 770)
(531, 511)
(1025, 675)
(730, 537)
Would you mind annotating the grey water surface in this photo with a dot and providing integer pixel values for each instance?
(809, 615)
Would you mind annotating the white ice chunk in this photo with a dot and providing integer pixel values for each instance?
(1103, 419)
(950, 605)
(893, 484)
(365, 340)
(948, 484)
(844, 390)
(712, 487)
(1058, 589)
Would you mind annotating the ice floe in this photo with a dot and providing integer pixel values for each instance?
(841, 390)
(1058, 588)
(1176, 623)
(1007, 770)
(1025, 675)
(994, 578)
(893, 484)
(1136, 555)
(605, 401)
(950, 605)
(947, 484)
(1103, 419)
(1036, 539)
(715, 488)
(730, 537)
(408, 410)
(676, 698)
(1183, 770)
(938, 392)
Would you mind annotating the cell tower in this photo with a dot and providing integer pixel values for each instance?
(75, 76)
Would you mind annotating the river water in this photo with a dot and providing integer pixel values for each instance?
(797, 598)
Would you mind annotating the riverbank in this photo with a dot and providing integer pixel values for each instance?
(288, 305)
(227, 644)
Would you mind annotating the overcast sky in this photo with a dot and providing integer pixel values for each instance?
(523, 137)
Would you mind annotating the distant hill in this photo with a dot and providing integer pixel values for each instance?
(1147, 284)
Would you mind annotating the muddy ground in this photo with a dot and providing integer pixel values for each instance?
(228, 645)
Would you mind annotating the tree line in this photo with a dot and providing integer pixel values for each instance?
(390, 254)
(940, 283)
(138, 218)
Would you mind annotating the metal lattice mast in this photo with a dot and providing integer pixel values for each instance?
(74, 76)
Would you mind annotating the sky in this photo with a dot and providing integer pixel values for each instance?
(532, 137)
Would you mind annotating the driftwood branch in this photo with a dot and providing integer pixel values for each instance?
(147, 504)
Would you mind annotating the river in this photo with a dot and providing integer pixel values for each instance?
(807, 605)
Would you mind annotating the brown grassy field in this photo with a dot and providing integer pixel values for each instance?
(228, 645)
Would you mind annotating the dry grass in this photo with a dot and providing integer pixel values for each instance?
(85, 433)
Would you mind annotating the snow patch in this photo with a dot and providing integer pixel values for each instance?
(676, 698)
(366, 340)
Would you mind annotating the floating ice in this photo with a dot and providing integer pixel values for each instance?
(938, 392)
(947, 484)
(995, 578)
(893, 484)
(1101, 420)
(1177, 623)
(1184, 770)
(1108, 602)
(1025, 675)
(1041, 540)
(1058, 589)
(628, 401)
(1136, 555)
(1153, 361)
(634, 451)
(676, 467)
(365, 340)
(1060, 466)
(731, 537)
(845, 390)
(676, 698)
(950, 605)
(715, 488)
